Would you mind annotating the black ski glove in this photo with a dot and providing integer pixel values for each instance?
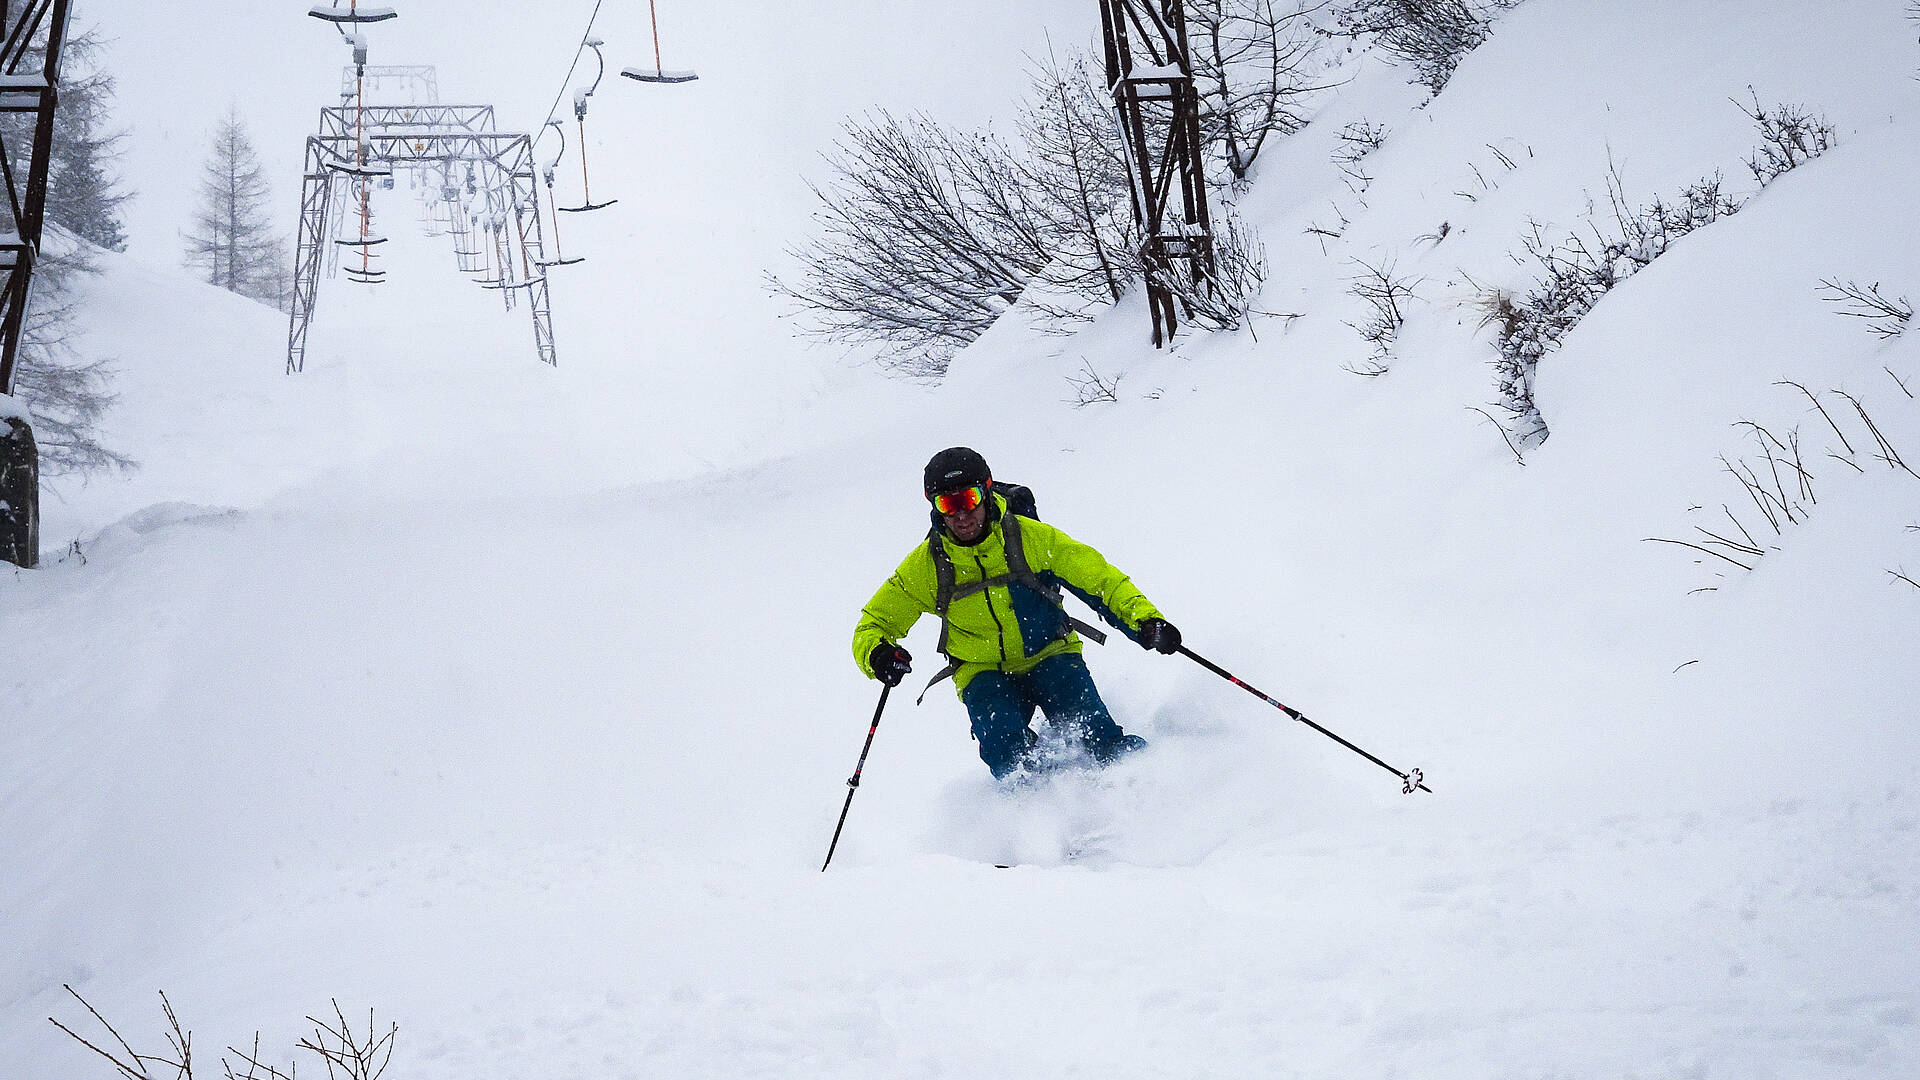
(890, 663)
(1159, 635)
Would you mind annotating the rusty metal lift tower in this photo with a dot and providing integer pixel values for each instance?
(36, 32)
(1151, 76)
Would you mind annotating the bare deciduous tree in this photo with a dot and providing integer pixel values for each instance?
(1074, 152)
(1251, 61)
(929, 235)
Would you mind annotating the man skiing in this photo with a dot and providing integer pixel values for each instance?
(994, 579)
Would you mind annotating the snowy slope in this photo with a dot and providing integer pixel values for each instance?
(489, 705)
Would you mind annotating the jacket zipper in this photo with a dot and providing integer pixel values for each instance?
(987, 595)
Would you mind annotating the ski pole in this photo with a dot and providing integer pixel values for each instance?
(1409, 781)
(853, 782)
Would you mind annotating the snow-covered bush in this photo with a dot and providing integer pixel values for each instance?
(928, 234)
(1223, 297)
(1576, 272)
(1431, 35)
(1386, 297)
(1789, 137)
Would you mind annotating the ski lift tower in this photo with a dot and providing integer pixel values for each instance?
(358, 143)
(1151, 77)
(355, 141)
(29, 87)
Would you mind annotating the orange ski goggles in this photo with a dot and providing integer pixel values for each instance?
(959, 502)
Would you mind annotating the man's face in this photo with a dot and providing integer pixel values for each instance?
(967, 526)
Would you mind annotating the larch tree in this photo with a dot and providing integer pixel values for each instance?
(230, 242)
(65, 385)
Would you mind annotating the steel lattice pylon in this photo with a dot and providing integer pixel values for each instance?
(436, 139)
(36, 34)
(1151, 77)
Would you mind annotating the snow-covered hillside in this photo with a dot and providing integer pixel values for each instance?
(515, 702)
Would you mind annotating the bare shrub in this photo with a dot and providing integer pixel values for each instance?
(1778, 483)
(1431, 35)
(1575, 274)
(1386, 297)
(1886, 317)
(1789, 138)
(1223, 297)
(347, 1053)
(928, 237)
(926, 234)
(1071, 151)
(1090, 387)
(1357, 140)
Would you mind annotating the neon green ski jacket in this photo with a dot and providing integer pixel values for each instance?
(1009, 625)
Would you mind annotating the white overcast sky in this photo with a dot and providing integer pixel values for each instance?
(783, 75)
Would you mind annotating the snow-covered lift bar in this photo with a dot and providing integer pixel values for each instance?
(352, 13)
(658, 73)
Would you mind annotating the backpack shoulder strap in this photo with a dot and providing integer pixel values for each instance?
(1023, 572)
(942, 582)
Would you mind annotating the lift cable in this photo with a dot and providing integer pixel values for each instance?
(585, 36)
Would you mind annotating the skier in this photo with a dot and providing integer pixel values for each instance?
(994, 577)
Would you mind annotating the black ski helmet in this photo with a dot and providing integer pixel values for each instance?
(952, 469)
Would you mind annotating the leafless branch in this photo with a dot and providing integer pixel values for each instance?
(134, 1065)
(1886, 317)
(1697, 547)
(1887, 452)
(1823, 411)
(1502, 429)
(1089, 387)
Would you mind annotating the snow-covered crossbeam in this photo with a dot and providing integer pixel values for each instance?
(22, 92)
(352, 15)
(658, 75)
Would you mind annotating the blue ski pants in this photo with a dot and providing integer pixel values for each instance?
(1001, 707)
